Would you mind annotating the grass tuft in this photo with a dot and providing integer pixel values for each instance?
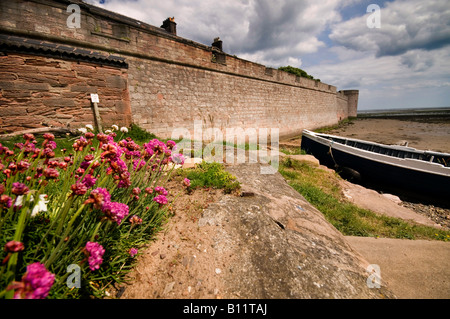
(321, 188)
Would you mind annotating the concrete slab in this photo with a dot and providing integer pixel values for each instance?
(413, 269)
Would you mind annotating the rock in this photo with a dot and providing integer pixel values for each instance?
(393, 198)
(305, 158)
(168, 288)
(191, 162)
(280, 251)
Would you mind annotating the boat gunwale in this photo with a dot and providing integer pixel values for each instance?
(386, 159)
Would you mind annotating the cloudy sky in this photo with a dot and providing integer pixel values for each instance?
(404, 63)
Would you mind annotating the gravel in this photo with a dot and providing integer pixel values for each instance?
(437, 214)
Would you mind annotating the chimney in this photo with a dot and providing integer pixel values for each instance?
(217, 43)
(170, 26)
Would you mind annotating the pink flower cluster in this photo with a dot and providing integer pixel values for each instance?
(35, 284)
(160, 199)
(95, 253)
(161, 190)
(133, 251)
(101, 199)
(115, 211)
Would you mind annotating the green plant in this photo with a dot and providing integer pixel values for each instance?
(297, 72)
(292, 150)
(322, 190)
(138, 134)
(94, 208)
(211, 175)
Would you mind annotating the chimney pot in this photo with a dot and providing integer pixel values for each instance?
(217, 43)
(170, 26)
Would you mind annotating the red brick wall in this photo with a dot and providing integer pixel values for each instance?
(38, 91)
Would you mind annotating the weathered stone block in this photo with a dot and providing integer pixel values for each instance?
(58, 102)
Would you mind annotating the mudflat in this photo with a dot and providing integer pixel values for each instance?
(420, 133)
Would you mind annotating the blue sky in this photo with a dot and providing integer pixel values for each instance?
(404, 63)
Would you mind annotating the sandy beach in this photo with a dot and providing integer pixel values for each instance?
(420, 133)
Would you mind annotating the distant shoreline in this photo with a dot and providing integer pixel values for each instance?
(405, 113)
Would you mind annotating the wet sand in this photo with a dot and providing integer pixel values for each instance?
(421, 133)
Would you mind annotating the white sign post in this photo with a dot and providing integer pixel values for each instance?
(98, 123)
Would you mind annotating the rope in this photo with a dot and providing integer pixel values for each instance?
(331, 153)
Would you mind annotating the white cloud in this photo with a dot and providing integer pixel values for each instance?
(405, 25)
(273, 31)
(407, 57)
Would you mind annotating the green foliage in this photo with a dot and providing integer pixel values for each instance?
(49, 206)
(292, 150)
(297, 71)
(321, 189)
(211, 175)
(138, 134)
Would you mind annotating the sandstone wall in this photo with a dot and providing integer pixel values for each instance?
(165, 81)
(166, 96)
(39, 91)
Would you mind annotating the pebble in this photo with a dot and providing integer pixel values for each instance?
(437, 214)
(218, 271)
(168, 287)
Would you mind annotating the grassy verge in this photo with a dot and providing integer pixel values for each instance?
(321, 188)
(210, 175)
(292, 150)
(341, 124)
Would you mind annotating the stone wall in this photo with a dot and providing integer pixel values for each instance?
(39, 91)
(162, 81)
(167, 96)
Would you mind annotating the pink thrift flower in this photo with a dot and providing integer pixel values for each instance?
(95, 252)
(161, 199)
(177, 159)
(14, 246)
(78, 188)
(161, 190)
(135, 220)
(49, 136)
(171, 144)
(35, 284)
(124, 183)
(89, 180)
(115, 211)
(51, 173)
(28, 137)
(138, 164)
(186, 182)
(19, 188)
(133, 251)
(5, 200)
(51, 145)
(98, 197)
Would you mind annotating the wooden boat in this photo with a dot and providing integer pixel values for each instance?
(405, 171)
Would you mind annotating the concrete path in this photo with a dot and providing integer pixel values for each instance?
(413, 269)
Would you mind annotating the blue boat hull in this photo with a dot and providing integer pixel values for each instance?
(408, 183)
